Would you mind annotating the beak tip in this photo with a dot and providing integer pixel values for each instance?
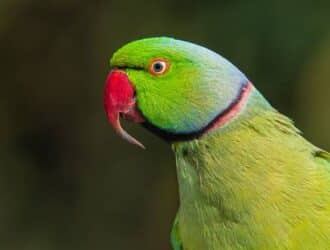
(131, 139)
(142, 146)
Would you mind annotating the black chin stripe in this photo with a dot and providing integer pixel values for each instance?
(172, 137)
(169, 136)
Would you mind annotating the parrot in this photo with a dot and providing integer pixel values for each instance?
(247, 178)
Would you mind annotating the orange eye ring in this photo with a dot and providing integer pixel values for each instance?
(158, 66)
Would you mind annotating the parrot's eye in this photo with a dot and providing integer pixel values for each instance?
(158, 67)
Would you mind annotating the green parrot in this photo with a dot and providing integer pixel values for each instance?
(247, 178)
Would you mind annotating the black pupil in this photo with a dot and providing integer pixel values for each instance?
(158, 67)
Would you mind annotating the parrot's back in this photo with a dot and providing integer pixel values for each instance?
(255, 184)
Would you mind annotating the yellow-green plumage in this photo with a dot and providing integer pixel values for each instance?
(254, 184)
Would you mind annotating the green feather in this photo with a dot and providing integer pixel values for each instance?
(175, 236)
(175, 102)
(253, 183)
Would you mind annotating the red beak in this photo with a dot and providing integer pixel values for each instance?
(119, 99)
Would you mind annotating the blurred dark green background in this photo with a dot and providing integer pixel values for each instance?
(66, 180)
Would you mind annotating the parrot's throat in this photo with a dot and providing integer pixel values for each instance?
(220, 120)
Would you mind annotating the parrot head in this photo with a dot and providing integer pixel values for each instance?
(176, 89)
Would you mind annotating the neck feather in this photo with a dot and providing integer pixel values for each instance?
(232, 111)
(219, 121)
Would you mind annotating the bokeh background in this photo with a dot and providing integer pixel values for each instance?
(66, 180)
